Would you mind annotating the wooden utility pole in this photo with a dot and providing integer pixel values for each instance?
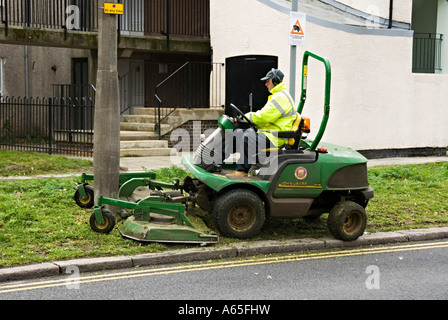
(106, 161)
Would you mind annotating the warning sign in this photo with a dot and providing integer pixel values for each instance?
(113, 8)
(297, 29)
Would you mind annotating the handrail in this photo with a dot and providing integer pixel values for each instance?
(158, 125)
(195, 84)
(122, 80)
(172, 75)
(326, 115)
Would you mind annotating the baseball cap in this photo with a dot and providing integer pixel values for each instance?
(270, 75)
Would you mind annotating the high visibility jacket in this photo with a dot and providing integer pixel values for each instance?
(278, 114)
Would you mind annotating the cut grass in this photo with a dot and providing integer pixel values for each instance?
(410, 196)
(39, 220)
(15, 163)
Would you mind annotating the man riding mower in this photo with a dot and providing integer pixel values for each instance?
(288, 176)
(298, 179)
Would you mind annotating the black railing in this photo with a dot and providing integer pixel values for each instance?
(72, 91)
(193, 85)
(132, 22)
(132, 86)
(427, 52)
(189, 18)
(50, 14)
(47, 125)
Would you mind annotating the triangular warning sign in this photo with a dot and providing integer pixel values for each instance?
(297, 28)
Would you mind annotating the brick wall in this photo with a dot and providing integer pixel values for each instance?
(187, 136)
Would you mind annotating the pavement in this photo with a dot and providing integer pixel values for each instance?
(133, 164)
(220, 251)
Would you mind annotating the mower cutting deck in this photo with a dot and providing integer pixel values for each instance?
(157, 216)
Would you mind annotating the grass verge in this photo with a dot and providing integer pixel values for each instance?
(39, 220)
(15, 163)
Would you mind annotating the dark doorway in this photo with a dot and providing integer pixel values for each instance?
(80, 116)
(80, 77)
(243, 86)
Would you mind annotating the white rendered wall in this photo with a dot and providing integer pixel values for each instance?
(402, 9)
(376, 101)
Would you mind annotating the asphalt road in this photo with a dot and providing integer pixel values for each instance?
(401, 271)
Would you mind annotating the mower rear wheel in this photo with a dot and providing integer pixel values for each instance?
(347, 220)
(239, 214)
(88, 201)
(109, 221)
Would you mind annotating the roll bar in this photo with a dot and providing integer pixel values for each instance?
(326, 115)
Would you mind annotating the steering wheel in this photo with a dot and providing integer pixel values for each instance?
(242, 115)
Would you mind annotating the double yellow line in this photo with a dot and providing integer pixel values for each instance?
(70, 280)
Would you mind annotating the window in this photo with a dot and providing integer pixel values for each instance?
(427, 54)
(429, 29)
(163, 68)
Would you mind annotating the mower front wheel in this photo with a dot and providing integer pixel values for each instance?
(88, 201)
(239, 214)
(347, 221)
(108, 221)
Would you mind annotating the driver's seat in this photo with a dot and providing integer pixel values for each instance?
(301, 125)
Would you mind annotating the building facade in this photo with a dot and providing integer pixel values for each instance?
(53, 43)
(381, 100)
(389, 60)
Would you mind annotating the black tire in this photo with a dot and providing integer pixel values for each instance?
(88, 202)
(239, 214)
(347, 221)
(109, 222)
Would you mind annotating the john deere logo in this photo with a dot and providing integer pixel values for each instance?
(300, 173)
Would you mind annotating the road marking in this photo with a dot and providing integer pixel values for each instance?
(217, 265)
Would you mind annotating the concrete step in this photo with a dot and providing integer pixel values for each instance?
(139, 144)
(142, 118)
(138, 135)
(148, 111)
(137, 126)
(145, 152)
(148, 119)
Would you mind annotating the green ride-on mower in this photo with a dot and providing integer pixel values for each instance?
(300, 179)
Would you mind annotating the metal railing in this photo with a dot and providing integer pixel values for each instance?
(427, 52)
(47, 125)
(132, 86)
(79, 91)
(189, 18)
(193, 85)
(133, 21)
(78, 15)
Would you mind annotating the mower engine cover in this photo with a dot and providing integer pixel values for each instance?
(209, 153)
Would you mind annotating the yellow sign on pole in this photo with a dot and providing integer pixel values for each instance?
(113, 8)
